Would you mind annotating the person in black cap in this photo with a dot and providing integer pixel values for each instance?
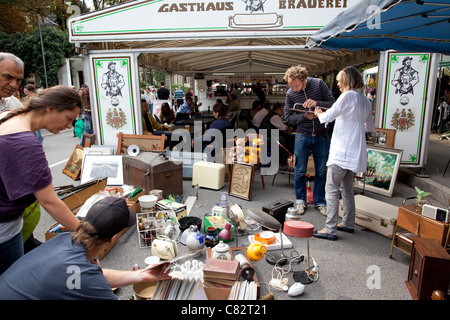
(66, 267)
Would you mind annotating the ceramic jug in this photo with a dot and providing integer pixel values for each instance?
(195, 240)
(212, 236)
(221, 251)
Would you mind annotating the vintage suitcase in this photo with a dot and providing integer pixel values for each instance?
(278, 209)
(152, 170)
(209, 175)
(375, 215)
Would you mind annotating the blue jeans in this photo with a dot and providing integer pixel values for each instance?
(87, 123)
(10, 251)
(320, 146)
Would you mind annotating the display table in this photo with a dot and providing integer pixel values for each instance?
(410, 222)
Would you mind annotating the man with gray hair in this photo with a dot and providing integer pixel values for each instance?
(11, 75)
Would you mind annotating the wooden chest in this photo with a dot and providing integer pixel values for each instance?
(153, 170)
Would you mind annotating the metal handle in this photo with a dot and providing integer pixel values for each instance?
(364, 218)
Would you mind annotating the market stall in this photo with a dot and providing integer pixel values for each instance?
(226, 37)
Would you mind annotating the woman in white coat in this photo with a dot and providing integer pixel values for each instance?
(348, 153)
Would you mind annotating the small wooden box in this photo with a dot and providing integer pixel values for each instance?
(429, 268)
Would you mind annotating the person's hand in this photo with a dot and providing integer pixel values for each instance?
(309, 103)
(155, 272)
(317, 111)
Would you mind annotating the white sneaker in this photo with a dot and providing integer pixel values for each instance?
(323, 210)
(300, 208)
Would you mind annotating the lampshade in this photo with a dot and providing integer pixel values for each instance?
(299, 229)
(266, 220)
(263, 218)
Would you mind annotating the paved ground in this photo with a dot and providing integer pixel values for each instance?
(356, 267)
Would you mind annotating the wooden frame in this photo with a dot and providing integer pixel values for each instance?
(103, 166)
(144, 142)
(241, 181)
(382, 169)
(390, 136)
(87, 140)
(73, 165)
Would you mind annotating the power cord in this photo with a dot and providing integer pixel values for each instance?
(280, 282)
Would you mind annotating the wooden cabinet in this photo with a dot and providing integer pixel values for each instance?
(429, 268)
(410, 222)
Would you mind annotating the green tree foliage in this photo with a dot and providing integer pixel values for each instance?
(27, 46)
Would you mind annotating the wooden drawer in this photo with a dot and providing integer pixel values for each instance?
(408, 220)
(425, 227)
(433, 230)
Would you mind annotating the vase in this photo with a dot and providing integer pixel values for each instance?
(195, 240)
(211, 237)
(221, 251)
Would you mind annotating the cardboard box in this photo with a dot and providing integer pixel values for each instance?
(75, 200)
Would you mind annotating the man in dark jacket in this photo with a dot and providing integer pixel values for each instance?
(304, 94)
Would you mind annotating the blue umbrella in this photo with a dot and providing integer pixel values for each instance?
(402, 25)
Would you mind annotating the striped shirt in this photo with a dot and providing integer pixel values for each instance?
(179, 94)
(316, 90)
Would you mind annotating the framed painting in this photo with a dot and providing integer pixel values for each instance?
(104, 166)
(87, 140)
(382, 170)
(73, 165)
(144, 142)
(241, 181)
(386, 137)
(116, 108)
(404, 105)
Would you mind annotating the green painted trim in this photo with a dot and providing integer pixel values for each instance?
(150, 30)
(128, 62)
(303, 27)
(425, 58)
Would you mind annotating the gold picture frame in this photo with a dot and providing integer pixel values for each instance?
(241, 181)
(73, 165)
(144, 142)
(390, 136)
(87, 140)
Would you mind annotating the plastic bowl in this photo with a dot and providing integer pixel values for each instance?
(185, 222)
(148, 201)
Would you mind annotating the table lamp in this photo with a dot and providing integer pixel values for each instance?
(301, 229)
(266, 220)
